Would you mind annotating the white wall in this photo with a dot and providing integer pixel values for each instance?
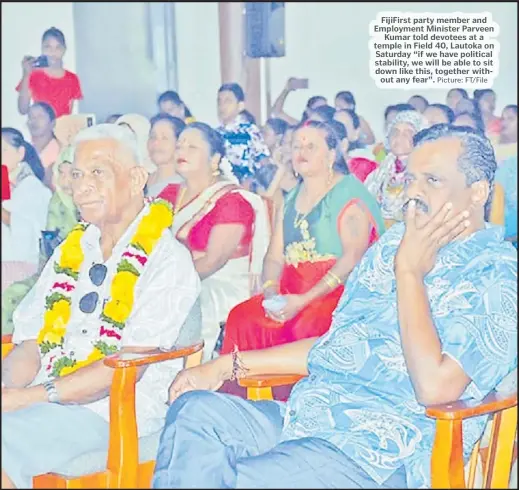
(328, 43)
(198, 57)
(23, 24)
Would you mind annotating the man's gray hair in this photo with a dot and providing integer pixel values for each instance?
(477, 160)
(122, 134)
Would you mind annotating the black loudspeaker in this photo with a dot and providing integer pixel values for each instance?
(265, 29)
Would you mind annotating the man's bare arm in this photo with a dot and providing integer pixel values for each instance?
(85, 385)
(21, 365)
(435, 376)
(291, 358)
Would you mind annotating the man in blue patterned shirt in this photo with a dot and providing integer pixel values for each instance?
(429, 316)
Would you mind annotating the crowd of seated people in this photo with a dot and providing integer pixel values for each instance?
(301, 246)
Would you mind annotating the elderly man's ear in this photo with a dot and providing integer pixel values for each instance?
(139, 177)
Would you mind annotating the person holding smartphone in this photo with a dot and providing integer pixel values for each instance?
(46, 80)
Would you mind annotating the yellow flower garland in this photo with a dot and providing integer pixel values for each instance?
(119, 307)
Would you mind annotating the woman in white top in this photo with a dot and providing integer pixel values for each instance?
(24, 215)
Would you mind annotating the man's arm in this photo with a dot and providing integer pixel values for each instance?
(21, 365)
(435, 376)
(86, 385)
(291, 358)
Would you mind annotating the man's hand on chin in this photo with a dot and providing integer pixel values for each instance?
(18, 398)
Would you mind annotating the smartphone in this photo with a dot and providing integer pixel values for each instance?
(300, 83)
(6, 188)
(41, 62)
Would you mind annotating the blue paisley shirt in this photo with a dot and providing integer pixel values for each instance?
(244, 146)
(358, 394)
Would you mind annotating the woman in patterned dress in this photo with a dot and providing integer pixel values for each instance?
(386, 183)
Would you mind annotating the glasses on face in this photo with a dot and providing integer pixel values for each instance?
(97, 274)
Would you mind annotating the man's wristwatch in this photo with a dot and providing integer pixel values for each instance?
(52, 392)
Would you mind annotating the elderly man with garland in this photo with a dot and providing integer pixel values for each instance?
(120, 282)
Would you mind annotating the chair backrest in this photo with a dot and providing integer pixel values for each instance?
(490, 465)
(496, 453)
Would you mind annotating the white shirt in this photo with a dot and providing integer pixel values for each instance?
(164, 295)
(28, 206)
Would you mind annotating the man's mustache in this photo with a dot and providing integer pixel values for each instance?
(419, 205)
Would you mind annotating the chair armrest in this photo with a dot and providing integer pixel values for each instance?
(123, 450)
(459, 410)
(7, 339)
(269, 380)
(128, 359)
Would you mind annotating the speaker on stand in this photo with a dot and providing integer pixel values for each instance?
(265, 36)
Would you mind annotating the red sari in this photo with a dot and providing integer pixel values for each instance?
(247, 326)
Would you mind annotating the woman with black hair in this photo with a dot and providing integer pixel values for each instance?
(24, 215)
(244, 145)
(49, 82)
(169, 102)
(454, 95)
(322, 113)
(41, 121)
(326, 224)
(346, 100)
(225, 227)
(486, 102)
(162, 142)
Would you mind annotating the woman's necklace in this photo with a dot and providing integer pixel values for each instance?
(300, 218)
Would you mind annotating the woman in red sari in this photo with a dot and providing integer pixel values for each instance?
(327, 223)
(225, 227)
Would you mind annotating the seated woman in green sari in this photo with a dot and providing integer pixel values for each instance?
(61, 218)
(326, 224)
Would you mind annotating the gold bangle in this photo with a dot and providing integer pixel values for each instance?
(269, 283)
(337, 278)
(331, 284)
(332, 280)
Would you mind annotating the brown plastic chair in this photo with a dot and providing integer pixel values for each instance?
(447, 466)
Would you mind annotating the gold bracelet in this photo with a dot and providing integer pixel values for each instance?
(337, 278)
(332, 280)
(269, 283)
(331, 284)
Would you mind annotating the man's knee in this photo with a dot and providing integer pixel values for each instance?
(199, 404)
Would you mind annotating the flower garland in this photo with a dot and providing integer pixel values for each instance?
(119, 306)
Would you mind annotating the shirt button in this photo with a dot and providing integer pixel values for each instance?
(84, 331)
(292, 413)
(312, 377)
(71, 352)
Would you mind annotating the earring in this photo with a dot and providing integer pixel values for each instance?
(330, 175)
(216, 171)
